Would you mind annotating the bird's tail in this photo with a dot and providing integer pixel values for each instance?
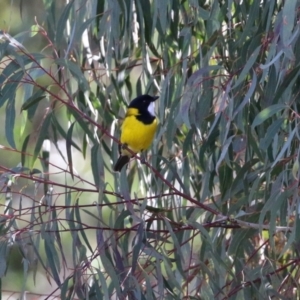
(121, 162)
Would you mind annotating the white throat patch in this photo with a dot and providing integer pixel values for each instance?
(151, 109)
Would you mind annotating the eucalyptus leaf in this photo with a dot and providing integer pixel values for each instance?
(267, 113)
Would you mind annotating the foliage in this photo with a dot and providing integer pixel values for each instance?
(214, 211)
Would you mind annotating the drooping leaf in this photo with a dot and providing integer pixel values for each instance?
(267, 113)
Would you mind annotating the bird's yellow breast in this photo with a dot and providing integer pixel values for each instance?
(137, 135)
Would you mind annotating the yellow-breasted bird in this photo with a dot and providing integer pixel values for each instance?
(138, 128)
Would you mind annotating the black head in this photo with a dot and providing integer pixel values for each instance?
(145, 106)
(142, 102)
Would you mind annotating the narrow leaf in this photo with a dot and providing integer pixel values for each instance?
(267, 113)
(10, 116)
(43, 134)
(247, 67)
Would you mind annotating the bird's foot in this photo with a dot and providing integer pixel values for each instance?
(143, 158)
(124, 146)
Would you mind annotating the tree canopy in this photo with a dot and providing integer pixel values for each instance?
(213, 212)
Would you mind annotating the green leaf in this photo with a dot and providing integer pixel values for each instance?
(249, 64)
(43, 134)
(286, 145)
(62, 24)
(272, 131)
(138, 243)
(288, 19)
(110, 269)
(10, 115)
(3, 258)
(103, 282)
(83, 124)
(56, 126)
(75, 71)
(97, 165)
(52, 257)
(224, 151)
(267, 113)
(178, 253)
(10, 69)
(10, 88)
(69, 149)
(34, 99)
(248, 95)
(24, 147)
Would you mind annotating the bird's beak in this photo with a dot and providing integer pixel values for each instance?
(155, 98)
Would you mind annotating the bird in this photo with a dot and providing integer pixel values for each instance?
(138, 129)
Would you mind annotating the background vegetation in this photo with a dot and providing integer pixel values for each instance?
(214, 211)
